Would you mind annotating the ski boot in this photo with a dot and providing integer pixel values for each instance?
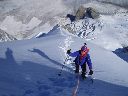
(84, 75)
(77, 71)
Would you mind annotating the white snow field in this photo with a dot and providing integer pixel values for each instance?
(31, 68)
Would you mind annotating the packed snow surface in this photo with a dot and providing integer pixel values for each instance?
(31, 68)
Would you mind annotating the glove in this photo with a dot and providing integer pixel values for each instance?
(68, 52)
(91, 72)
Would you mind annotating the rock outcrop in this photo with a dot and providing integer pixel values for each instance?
(86, 12)
(81, 13)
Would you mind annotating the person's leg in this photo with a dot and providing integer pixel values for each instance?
(83, 70)
(77, 69)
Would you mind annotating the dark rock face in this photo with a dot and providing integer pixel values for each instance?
(86, 12)
(81, 13)
(92, 13)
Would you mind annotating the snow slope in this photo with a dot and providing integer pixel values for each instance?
(108, 31)
(31, 67)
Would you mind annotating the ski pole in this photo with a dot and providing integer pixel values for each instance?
(63, 65)
(91, 79)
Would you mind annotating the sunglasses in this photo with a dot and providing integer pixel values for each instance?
(83, 51)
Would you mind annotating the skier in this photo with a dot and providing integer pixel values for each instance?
(82, 57)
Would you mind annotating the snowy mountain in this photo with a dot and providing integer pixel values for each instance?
(25, 19)
(31, 68)
(5, 37)
(109, 32)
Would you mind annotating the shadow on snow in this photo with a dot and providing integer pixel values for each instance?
(122, 53)
(33, 79)
(41, 53)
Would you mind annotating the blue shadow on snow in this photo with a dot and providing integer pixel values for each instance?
(122, 53)
(41, 53)
(39, 80)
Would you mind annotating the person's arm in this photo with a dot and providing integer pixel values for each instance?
(74, 54)
(89, 64)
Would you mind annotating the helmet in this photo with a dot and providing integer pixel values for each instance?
(84, 48)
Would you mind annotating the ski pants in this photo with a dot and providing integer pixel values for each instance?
(83, 67)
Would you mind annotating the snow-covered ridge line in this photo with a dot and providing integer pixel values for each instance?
(107, 31)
